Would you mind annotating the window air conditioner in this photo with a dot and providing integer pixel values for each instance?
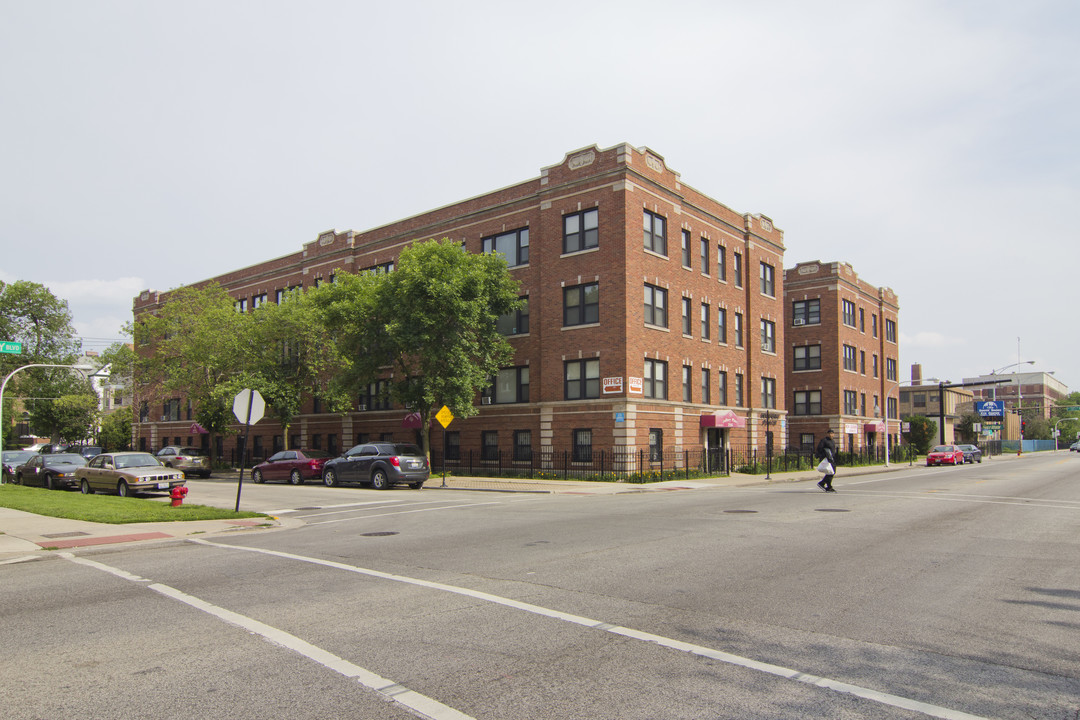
(164, 418)
(799, 321)
(485, 401)
(362, 407)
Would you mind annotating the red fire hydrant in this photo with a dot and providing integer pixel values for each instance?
(178, 494)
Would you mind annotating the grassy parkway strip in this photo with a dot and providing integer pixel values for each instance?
(777, 670)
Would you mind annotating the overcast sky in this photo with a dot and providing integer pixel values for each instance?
(932, 145)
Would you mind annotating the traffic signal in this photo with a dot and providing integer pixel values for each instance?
(1023, 427)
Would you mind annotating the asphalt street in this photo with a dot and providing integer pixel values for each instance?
(926, 592)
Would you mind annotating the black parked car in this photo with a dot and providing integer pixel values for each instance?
(380, 464)
(972, 453)
(50, 471)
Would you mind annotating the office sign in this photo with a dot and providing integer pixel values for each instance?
(613, 386)
(990, 408)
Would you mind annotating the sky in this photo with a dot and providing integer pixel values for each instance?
(931, 145)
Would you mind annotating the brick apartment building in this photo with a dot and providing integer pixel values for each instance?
(842, 353)
(654, 317)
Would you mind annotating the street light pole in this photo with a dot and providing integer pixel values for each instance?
(3, 386)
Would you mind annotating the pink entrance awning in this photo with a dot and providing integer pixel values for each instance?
(726, 419)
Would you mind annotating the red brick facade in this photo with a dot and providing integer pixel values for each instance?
(624, 185)
(842, 356)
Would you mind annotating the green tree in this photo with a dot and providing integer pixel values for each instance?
(291, 354)
(923, 433)
(965, 427)
(115, 432)
(196, 345)
(432, 322)
(69, 418)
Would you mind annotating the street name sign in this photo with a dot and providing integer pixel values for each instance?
(11, 348)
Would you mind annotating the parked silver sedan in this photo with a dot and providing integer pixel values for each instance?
(125, 473)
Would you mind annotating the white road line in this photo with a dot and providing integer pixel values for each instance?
(388, 689)
(388, 504)
(403, 512)
(24, 558)
(787, 673)
(327, 507)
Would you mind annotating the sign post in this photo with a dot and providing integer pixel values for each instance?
(445, 417)
(248, 407)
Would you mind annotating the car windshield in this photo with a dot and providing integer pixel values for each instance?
(189, 451)
(136, 460)
(66, 458)
(316, 454)
(18, 456)
(407, 450)
(943, 448)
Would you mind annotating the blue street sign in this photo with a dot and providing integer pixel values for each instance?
(990, 408)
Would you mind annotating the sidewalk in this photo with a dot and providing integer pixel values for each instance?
(25, 536)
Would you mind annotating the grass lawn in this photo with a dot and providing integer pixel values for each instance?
(107, 508)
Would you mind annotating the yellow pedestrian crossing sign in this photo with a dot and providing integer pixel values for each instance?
(444, 416)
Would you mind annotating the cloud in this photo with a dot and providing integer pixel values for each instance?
(122, 289)
(929, 340)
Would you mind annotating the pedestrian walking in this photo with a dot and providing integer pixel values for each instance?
(826, 450)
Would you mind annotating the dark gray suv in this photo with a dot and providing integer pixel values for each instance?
(379, 464)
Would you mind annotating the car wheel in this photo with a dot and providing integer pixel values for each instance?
(330, 478)
(85, 487)
(18, 479)
(49, 482)
(379, 481)
(416, 486)
(256, 476)
(122, 489)
(205, 475)
(295, 479)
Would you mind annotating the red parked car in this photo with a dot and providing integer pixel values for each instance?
(945, 455)
(296, 466)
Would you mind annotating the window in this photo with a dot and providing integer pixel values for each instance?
(258, 300)
(736, 268)
(806, 440)
(705, 256)
(706, 395)
(656, 444)
(581, 305)
(862, 362)
(513, 246)
(807, 357)
(257, 448)
(655, 233)
(768, 336)
(890, 369)
(808, 402)
(873, 325)
(655, 306)
(891, 408)
(489, 445)
(582, 451)
(849, 358)
(862, 321)
(918, 399)
(377, 396)
(452, 444)
(582, 379)
(768, 393)
(277, 444)
(890, 331)
(523, 445)
(721, 263)
(875, 365)
(721, 387)
(851, 402)
(686, 316)
(515, 322)
(738, 330)
(686, 392)
(686, 248)
(848, 313)
(279, 295)
(511, 385)
(316, 441)
(806, 312)
(738, 390)
(655, 380)
(706, 322)
(331, 444)
(171, 410)
(862, 404)
(581, 231)
(241, 305)
(721, 325)
(768, 280)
